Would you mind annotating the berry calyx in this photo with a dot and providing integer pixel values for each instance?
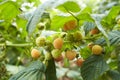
(70, 54)
(58, 43)
(35, 53)
(97, 49)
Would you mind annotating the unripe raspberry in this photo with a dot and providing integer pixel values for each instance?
(56, 53)
(40, 41)
(77, 36)
(41, 26)
(70, 37)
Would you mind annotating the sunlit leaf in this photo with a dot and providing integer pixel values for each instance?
(70, 6)
(109, 20)
(8, 10)
(85, 17)
(37, 15)
(59, 21)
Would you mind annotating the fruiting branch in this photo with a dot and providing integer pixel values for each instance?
(16, 45)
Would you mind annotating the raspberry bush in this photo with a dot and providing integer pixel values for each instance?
(59, 40)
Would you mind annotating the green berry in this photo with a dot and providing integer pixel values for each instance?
(77, 36)
(70, 37)
(41, 26)
(40, 41)
(56, 53)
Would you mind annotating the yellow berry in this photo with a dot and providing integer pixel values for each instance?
(70, 25)
(70, 54)
(58, 43)
(97, 49)
(35, 53)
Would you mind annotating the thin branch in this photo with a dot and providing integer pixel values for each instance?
(16, 45)
(71, 13)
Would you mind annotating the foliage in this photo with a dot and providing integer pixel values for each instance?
(22, 22)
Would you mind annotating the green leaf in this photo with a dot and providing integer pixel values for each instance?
(70, 6)
(97, 19)
(33, 72)
(114, 75)
(36, 2)
(113, 13)
(85, 17)
(86, 10)
(113, 38)
(34, 20)
(8, 10)
(109, 20)
(37, 15)
(51, 70)
(59, 21)
(21, 23)
(100, 41)
(88, 26)
(85, 52)
(93, 67)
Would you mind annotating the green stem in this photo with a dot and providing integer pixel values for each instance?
(90, 38)
(16, 45)
(71, 14)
